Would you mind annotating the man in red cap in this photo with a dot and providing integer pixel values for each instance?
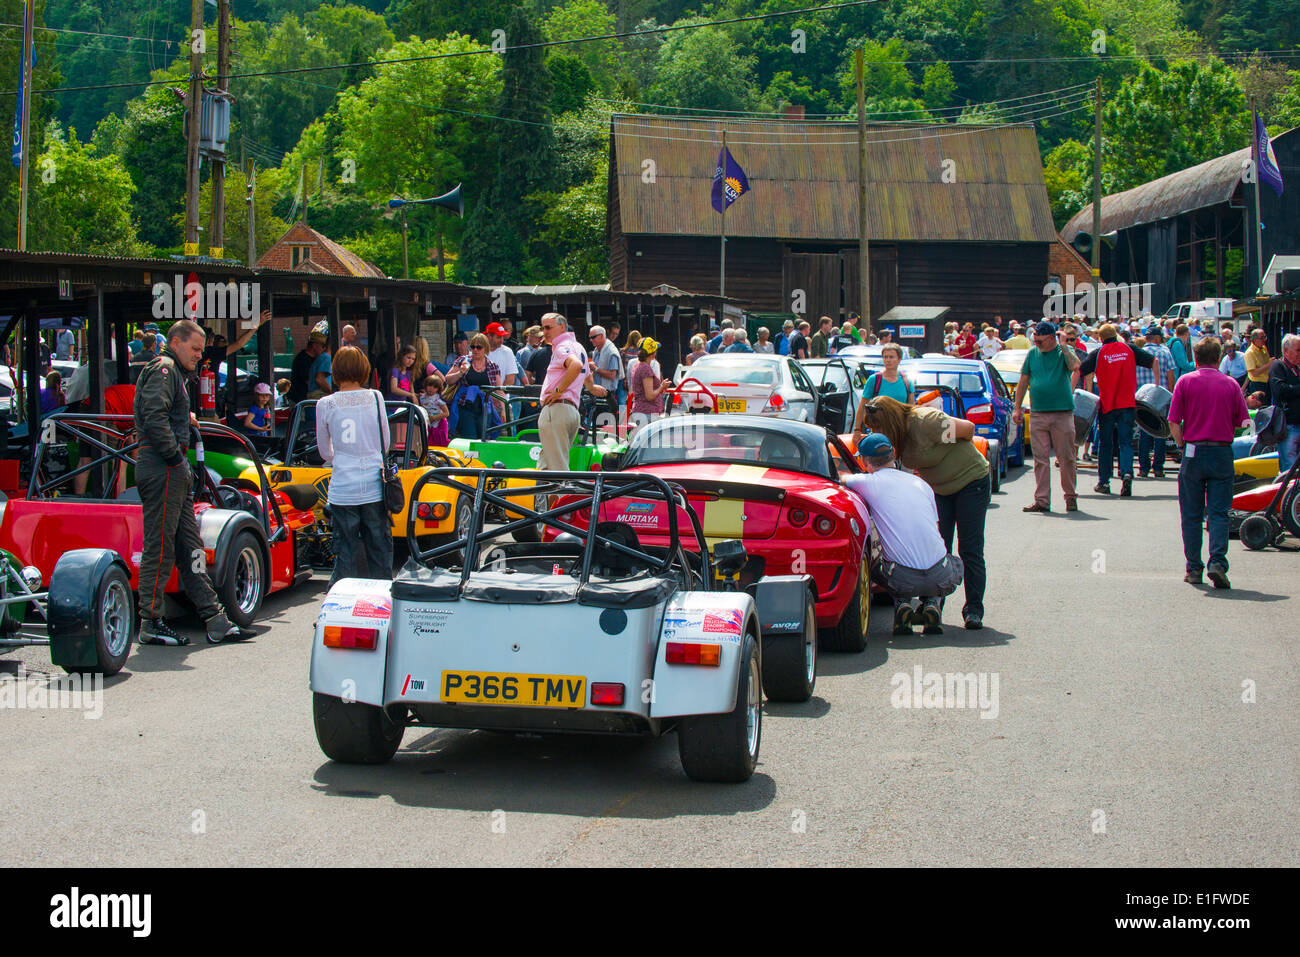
(500, 353)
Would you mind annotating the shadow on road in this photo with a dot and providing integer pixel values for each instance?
(1239, 594)
(572, 775)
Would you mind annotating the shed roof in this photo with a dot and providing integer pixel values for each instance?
(804, 180)
(1205, 184)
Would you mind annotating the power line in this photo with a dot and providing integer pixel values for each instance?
(821, 8)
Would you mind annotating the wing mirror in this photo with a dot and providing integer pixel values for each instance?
(611, 462)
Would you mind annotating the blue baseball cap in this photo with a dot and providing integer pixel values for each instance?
(873, 443)
(1045, 329)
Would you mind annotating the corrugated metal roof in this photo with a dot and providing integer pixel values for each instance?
(1206, 184)
(804, 180)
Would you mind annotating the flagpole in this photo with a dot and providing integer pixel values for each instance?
(29, 22)
(722, 238)
(1259, 162)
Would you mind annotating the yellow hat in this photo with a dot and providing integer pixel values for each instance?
(649, 345)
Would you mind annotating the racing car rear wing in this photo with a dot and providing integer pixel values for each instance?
(582, 491)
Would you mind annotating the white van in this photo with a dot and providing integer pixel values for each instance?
(1203, 309)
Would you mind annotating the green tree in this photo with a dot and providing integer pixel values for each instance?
(80, 202)
(1148, 128)
(1067, 173)
(417, 129)
(274, 110)
(268, 226)
(571, 81)
(45, 75)
(573, 227)
(1286, 113)
(150, 142)
(496, 247)
(937, 86)
(704, 69)
(586, 18)
(343, 27)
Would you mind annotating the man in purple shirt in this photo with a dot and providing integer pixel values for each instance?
(1206, 410)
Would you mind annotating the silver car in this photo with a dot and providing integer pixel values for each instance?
(745, 382)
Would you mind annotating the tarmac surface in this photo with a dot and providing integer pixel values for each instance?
(1138, 721)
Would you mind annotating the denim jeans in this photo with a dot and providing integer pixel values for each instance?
(1205, 484)
(363, 541)
(1147, 445)
(1288, 450)
(964, 512)
(1108, 423)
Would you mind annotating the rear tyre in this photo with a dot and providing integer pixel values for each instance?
(114, 613)
(790, 661)
(243, 587)
(850, 632)
(724, 747)
(354, 733)
(1291, 511)
(530, 534)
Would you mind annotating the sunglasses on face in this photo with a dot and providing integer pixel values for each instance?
(1072, 339)
(476, 346)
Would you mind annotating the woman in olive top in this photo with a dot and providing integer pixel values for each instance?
(939, 449)
(890, 382)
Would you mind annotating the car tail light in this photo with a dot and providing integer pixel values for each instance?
(797, 516)
(774, 403)
(980, 415)
(607, 693)
(432, 511)
(824, 525)
(690, 653)
(341, 636)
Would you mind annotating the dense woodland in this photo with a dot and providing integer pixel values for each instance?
(526, 131)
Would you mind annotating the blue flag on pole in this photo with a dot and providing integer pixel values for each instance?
(18, 113)
(1266, 167)
(729, 181)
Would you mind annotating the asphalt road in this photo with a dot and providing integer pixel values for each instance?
(1120, 738)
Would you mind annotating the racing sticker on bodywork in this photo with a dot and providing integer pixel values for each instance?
(372, 607)
(714, 624)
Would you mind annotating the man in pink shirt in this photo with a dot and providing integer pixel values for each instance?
(1206, 410)
(557, 425)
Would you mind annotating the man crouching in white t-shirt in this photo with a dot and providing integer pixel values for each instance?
(916, 566)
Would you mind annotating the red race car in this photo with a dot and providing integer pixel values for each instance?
(81, 503)
(775, 484)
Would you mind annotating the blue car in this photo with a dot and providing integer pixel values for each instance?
(988, 403)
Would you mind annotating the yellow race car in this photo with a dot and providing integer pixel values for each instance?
(439, 513)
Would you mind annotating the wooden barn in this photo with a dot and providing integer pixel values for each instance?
(1174, 232)
(957, 215)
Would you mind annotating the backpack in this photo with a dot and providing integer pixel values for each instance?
(877, 378)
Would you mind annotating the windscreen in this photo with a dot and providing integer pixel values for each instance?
(739, 369)
(685, 439)
(964, 382)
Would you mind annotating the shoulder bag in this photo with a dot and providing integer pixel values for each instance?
(394, 495)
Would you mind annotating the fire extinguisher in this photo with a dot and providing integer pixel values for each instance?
(207, 389)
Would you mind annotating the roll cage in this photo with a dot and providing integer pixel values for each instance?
(98, 431)
(580, 491)
(397, 413)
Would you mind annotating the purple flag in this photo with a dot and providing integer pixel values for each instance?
(1266, 167)
(729, 181)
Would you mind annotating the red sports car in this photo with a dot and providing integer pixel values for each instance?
(775, 484)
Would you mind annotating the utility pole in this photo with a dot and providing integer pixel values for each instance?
(1257, 155)
(722, 236)
(25, 80)
(1096, 206)
(864, 254)
(217, 239)
(406, 264)
(251, 196)
(194, 109)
